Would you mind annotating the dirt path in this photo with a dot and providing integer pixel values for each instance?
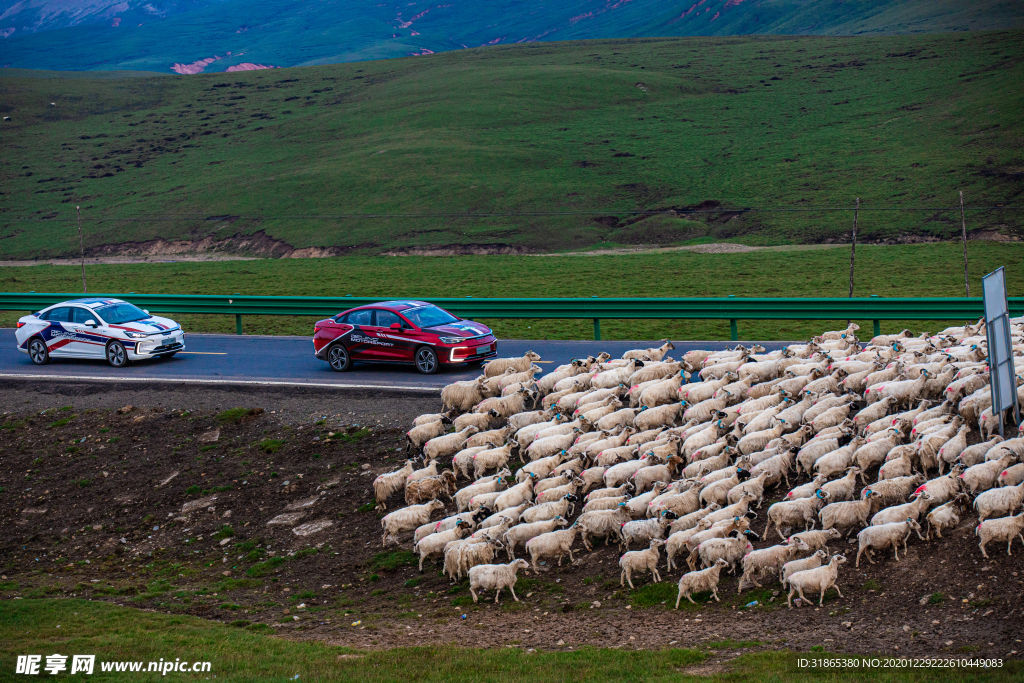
(168, 506)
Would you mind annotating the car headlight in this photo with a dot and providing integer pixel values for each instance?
(453, 340)
(134, 335)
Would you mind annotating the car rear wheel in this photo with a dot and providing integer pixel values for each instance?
(116, 354)
(338, 358)
(38, 352)
(426, 360)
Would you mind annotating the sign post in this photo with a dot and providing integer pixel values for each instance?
(1000, 348)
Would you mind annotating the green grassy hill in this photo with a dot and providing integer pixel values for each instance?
(586, 130)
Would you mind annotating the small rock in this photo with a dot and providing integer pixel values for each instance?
(847, 624)
(125, 409)
(227, 573)
(366, 466)
(226, 514)
(906, 629)
(949, 643)
(924, 600)
(97, 527)
(209, 437)
(560, 643)
(286, 611)
(225, 541)
(596, 603)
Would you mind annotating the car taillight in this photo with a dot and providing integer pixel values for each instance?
(21, 324)
(315, 329)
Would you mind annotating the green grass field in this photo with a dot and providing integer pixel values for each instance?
(115, 633)
(594, 128)
(888, 271)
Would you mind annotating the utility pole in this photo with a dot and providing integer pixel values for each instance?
(963, 234)
(81, 246)
(853, 245)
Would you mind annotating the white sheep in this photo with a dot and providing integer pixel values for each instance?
(850, 514)
(449, 444)
(792, 513)
(462, 396)
(499, 366)
(731, 549)
(416, 437)
(700, 581)
(643, 530)
(494, 482)
(946, 516)
(522, 533)
(555, 543)
(820, 579)
(495, 576)
(1000, 529)
(407, 519)
(815, 539)
(640, 560)
(884, 536)
(819, 557)
(983, 476)
(562, 507)
(389, 483)
(603, 523)
(434, 544)
(650, 354)
(912, 510)
(769, 559)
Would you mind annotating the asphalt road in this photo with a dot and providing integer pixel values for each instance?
(289, 361)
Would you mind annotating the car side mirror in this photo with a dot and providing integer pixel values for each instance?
(91, 323)
(145, 311)
(396, 327)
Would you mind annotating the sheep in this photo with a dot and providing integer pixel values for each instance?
(551, 482)
(449, 523)
(521, 533)
(740, 508)
(407, 519)
(646, 477)
(898, 489)
(718, 491)
(731, 548)
(643, 530)
(942, 488)
(494, 482)
(946, 516)
(813, 451)
(463, 460)
(452, 564)
(816, 539)
(609, 503)
(681, 503)
(905, 392)
(756, 441)
(428, 488)
(429, 471)
(806, 490)
(753, 486)
(638, 506)
(469, 555)
(883, 536)
(650, 354)
(874, 411)
(553, 544)
(495, 576)
(640, 560)
(1011, 476)
(524, 377)
(391, 482)
(562, 507)
(820, 579)
(912, 510)
(1000, 529)
(603, 523)
(844, 487)
(848, 514)
(482, 421)
(490, 436)
(662, 416)
(790, 513)
(972, 455)
(679, 540)
(491, 459)
(770, 559)
(982, 476)
(462, 396)
(434, 544)
(516, 495)
(999, 502)
(819, 557)
(499, 366)
(701, 391)
(510, 515)
(623, 471)
(418, 436)
(542, 467)
(507, 406)
(556, 492)
(701, 581)
(432, 417)
(777, 466)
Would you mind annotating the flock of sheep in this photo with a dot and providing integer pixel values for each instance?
(632, 450)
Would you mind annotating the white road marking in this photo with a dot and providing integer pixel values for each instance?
(253, 382)
(205, 353)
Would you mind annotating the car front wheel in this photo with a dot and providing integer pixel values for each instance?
(38, 352)
(426, 360)
(338, 358)
(116, 354)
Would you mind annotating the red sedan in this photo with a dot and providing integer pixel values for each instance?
(408, 332)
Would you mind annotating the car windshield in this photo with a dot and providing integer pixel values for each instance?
(118, 314)
(429, 316)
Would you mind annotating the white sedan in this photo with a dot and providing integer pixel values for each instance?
(98, 328)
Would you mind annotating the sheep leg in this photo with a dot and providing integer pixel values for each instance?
(629, 578)
(896, 550)
(1009, 545)
(497, 595)
(668, 565)
(800, 591)
(473, 593)
(821, 598)
(657, 576)
(622, 578)
(789, 598)
(714, 593)
(837, 590)
(571, 558)
(859, 553)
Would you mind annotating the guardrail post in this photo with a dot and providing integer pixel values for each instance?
(733, 333)
(238, 323)
(597, 329)
(877, 324)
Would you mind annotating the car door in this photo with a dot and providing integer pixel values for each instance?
(86, 343)
(361, 338)
(58, 335)
(395, 345)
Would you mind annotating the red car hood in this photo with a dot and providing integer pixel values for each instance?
(461, 328)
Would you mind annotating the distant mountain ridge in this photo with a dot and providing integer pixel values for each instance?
(192, 36)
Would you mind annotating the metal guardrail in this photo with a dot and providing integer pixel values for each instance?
(730, 308)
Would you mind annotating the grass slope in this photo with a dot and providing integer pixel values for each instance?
(296, 34)
(888, 271)
(593, 127)
(116, 633)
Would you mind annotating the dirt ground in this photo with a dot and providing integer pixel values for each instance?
(175, 505)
